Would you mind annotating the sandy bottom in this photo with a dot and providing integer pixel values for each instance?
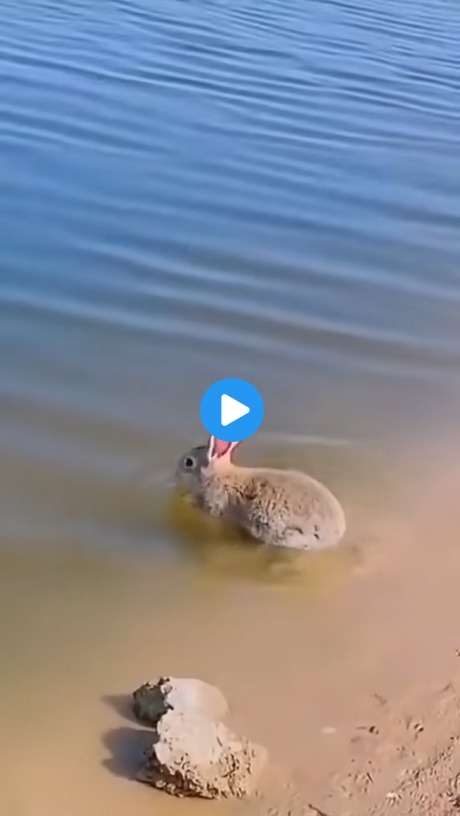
(347, 668)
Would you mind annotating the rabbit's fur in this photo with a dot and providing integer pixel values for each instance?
(285, 508)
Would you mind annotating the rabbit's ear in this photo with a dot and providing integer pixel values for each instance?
(217, 449)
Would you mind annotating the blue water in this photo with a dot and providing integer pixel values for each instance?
(196, 190)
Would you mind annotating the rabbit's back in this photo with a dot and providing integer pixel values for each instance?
(284, 508)
(295, 510)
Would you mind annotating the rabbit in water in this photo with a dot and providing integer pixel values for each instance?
(284, 508)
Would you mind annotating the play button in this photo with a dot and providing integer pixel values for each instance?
(232, 410)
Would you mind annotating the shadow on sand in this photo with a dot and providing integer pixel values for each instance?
(126, 746)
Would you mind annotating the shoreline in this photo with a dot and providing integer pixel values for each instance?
(351, 681)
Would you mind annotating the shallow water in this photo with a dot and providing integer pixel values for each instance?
(197, 190)
(190, 191)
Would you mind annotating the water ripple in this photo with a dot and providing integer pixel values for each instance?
(196, 189)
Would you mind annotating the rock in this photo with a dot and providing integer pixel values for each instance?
(197, 756)
(153, 699)
(193, 753)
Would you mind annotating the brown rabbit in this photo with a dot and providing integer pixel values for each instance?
(285, 508)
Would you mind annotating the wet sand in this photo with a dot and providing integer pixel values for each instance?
(340, 667)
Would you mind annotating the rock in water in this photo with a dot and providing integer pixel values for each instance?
(153, 699)
(194, 755)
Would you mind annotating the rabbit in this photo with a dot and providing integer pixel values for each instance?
(284, 508)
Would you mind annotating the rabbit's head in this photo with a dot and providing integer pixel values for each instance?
(201, 461)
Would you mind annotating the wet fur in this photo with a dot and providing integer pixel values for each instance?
(280, 507)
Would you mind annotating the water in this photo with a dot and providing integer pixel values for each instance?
(207, 189)
(197, 190)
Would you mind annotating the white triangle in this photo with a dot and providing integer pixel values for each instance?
(231, 410)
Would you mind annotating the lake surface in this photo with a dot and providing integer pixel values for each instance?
(190, 191)
(197, 190)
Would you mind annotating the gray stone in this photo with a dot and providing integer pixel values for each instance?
(153, 699)
(194, 755)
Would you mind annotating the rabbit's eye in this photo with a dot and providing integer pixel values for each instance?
(189, 462)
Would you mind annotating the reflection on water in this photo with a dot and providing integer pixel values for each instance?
(227, 553)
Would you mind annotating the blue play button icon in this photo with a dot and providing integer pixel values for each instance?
(232, 410)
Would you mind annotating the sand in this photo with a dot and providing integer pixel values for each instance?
(349, 672)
